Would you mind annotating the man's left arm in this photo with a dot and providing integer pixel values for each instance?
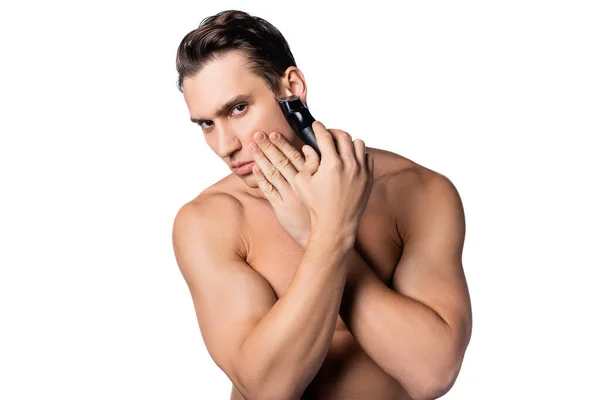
(417, 330)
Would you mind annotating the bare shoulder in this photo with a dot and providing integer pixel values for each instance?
(218, 201)
(410, 188)
(213, 213)
(229, 296)
(396, 169)
(214, 203)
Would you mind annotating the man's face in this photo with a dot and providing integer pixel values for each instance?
(230, 132)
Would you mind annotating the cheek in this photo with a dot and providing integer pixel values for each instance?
(211, 142)
(278, 123)
(267, 120)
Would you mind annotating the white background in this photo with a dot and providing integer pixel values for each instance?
(97, 154)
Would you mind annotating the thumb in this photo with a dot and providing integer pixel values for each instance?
(312, 160)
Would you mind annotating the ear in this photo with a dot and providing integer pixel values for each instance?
(293, 84)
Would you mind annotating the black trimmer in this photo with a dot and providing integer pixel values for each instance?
(300, 120)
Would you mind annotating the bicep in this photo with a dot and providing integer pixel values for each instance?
(430, 269)
(229, 297)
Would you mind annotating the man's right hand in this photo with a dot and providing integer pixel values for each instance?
(337, 186)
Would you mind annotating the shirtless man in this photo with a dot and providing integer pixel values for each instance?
(337, 277)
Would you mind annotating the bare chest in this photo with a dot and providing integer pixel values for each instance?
(276, 256)
(347, 370)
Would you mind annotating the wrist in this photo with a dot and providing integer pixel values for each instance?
(342, 239)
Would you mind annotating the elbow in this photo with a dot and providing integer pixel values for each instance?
(270, 381)
(266, 389)
(279, 391)
(438, 378)
(435, 385)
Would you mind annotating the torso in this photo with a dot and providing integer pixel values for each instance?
(347, 371)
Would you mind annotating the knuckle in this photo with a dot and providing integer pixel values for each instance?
(266, 145)
(262, 183)
(335, 164)
(342, 134)
(269, 189)
(260, 180)
(273, 174)
(353, 168)
(296, 156)
(282, 161)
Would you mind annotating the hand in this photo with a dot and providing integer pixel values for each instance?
(278, 163)
(337, 187)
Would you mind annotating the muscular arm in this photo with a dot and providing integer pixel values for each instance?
(269, 349)
(288, 345)
(418, 329)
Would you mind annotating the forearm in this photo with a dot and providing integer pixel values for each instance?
(286, 348)
(409, 340)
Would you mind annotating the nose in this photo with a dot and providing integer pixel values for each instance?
(227, 142)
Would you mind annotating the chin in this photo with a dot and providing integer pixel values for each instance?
(249, 180)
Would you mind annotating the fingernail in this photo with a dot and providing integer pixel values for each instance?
(259, 137)
(252, 146)
(274, 136)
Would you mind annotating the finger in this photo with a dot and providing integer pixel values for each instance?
(325, 142)
(359, 151)
(280, 168)
(268, 170)
(370, 161)
(292, 154)
(265, 186)
(344, 145)
(312, 160)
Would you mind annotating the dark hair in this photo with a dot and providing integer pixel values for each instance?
(265, 47)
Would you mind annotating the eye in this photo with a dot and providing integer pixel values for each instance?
(204, 122)
(240, 105)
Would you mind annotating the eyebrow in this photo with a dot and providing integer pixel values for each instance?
(226, 107)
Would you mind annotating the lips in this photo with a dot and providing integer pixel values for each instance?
(244, 169)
